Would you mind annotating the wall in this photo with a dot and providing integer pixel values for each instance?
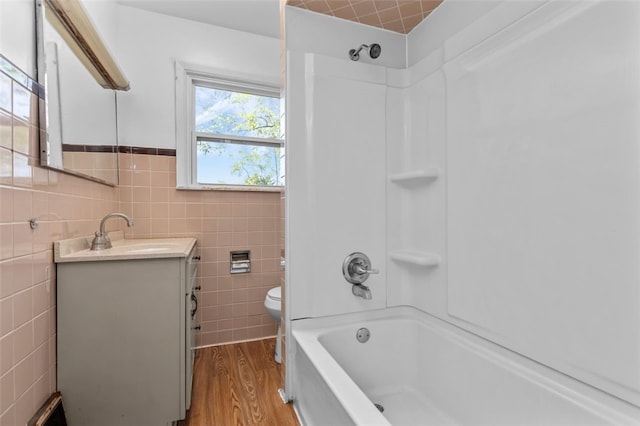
(18, 34)
(416, 188)
(64, 207)
(511, 201)
(325, 35)
(231, 307)
(335, 124)
(336, 138)
(86, 111)
(334, 214)
(542, 143)
(146, 113)
(528, 256)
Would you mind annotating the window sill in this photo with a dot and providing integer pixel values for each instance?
(241, 188)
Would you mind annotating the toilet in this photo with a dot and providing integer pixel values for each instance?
(272, 303)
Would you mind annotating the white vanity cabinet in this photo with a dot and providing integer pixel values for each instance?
(124, 337)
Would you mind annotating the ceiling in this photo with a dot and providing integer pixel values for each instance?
(263, 16)
(400, 16)
(254, 16)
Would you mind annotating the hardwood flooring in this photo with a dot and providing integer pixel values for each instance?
(237, 385)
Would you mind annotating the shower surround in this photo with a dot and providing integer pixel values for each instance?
(487, 165)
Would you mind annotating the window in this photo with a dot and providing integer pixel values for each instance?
(230, 131)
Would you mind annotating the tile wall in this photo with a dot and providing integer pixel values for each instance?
(102, 165)
(64, 206)
(231, 307)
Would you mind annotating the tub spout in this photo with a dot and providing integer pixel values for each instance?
(360, 290)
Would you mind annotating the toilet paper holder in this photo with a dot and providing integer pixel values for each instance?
(240, 262)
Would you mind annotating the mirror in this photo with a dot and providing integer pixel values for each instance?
(79, 76)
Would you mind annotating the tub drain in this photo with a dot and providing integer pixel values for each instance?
(363, 335)
(379, 407)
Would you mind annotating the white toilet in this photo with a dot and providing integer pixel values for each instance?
(272, 303)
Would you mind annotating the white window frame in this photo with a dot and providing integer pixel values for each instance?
(187, 76)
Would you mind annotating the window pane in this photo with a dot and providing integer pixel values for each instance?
(238, 164)
(238, 114)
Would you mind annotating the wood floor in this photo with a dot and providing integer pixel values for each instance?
(238, 385)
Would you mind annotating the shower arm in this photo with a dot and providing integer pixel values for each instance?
(362, 46)
(354, 54)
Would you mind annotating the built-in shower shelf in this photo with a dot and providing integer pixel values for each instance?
(418, 258)
(415, 176)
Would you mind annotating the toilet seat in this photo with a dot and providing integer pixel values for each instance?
(275, 294)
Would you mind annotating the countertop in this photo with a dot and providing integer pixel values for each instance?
(78, 249)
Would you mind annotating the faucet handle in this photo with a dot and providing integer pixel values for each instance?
(363, 268)
(357, 267)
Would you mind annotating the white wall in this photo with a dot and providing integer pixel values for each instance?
(328, 36)
(87, 112)
(18, 34)
(416, 208)
(542, 148)
(335, 160)
(18, 30)
(335, 169)
(541, 182)
(530, 117)
(149, 43)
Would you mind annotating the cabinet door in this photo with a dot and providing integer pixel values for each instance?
(121, 341)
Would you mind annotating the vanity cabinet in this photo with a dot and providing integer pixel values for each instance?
(124, 339)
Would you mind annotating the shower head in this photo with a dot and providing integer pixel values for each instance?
(374, 51)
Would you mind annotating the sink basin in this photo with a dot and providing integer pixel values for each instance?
(146, 250)
(143, 247)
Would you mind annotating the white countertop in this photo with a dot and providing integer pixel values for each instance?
(78, 249)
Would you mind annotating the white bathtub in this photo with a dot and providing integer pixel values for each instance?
(424, 371)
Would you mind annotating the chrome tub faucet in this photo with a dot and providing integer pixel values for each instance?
(360, 290)
(356, 269)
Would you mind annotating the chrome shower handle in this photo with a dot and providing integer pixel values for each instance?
(356, 268)
(361, 268)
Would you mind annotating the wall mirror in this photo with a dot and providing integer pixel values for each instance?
(80, 78)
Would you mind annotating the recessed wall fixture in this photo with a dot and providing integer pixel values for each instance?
(373, 49)
(72, 22)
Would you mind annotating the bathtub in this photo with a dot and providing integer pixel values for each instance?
(423, 371)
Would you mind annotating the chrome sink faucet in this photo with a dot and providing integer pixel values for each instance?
(102, 240)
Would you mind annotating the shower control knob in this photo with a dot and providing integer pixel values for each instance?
(360, 268)
(356, 268)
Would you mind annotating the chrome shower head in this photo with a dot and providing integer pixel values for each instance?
(374, 51)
